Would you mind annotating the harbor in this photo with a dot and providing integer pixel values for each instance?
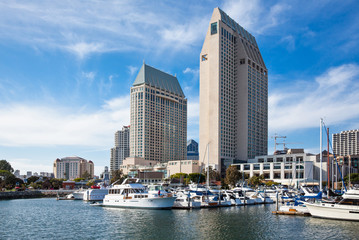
(47, 218)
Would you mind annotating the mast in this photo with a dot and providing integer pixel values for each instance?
(321, 155)
(208, 165)
(328, 161)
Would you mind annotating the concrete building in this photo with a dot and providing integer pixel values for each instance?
(192, 150)
(158, 117)
(133, 166)
(28, 174)
(233, 94)
(288, 169)
(72, 167)
(346, 143)
(183, 166)
(121, 149)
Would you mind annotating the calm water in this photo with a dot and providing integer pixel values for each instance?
(51, 219)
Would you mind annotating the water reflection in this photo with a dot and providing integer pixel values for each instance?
(48, 218)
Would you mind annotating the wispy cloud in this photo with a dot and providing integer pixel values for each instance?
(332, 95)
(254, 15)
(132, 70)
(48, 125)
(95, 27)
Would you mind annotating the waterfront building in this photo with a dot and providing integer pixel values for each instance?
(121, 149)
(133, 166)
(72, 167)
(192, 150)
(158, 116)
(346, 143)
(288, 169)
(183, 166)
(233, 94)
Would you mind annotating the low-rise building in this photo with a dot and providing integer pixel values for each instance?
(133, 166)
(288, 169)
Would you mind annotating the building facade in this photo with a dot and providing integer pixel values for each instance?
(72, 167)
(192, 150)
(287, 169)
(233, 94)
(158, 117)
(121, 149)
(346, 143)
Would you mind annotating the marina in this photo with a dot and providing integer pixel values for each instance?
(47, 218)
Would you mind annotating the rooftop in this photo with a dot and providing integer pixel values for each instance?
(156, 78)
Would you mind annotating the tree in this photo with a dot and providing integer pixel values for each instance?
(256, 180)
(232, 176)
(213, 174)
(117, 175)
(56, 183)
(5, 165)
(79, 179)
(196, 177)
(354, 178)
(86, 175)
(32, 179)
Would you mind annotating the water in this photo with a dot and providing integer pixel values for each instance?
(50, 219)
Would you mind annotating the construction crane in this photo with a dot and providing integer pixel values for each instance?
(275, 141)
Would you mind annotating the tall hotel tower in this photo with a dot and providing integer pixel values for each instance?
(233, 95)
(158, 117)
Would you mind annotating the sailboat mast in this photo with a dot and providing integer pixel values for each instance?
(328, 161)
(208, 165)
(321, 155)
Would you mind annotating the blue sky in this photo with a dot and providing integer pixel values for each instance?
(66, 68)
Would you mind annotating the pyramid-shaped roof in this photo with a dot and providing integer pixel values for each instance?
(154, 77)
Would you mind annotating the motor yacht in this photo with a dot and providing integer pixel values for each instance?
(345, 209)
(132, 194)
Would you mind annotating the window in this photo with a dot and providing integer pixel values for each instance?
(242, 61)
(214, 28)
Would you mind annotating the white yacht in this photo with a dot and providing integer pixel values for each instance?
(95, 194)
(185, 200)
(79, 194)
(132, 194)
(346, 209)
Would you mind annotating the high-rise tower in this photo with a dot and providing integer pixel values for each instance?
(121, 149)
(233, 94)
(158, 117)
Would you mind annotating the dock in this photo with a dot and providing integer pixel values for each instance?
(291, 212)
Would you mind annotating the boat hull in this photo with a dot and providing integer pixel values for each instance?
(148, 203)
(334, 211)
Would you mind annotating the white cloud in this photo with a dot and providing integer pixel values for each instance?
(190, 70)
(26, 125)
(132, 70)
(333, 95)
(290, 42)
(94, 27)
(254, 15)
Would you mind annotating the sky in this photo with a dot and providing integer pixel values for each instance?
(66, 68)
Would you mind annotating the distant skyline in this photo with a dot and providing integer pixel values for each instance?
(66, 68)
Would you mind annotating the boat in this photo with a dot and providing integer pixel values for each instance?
(132, 194)
(185, 200)
(345, 209)
(95, 193)
(79, 194)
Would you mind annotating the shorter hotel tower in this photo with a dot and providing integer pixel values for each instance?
(233, 95)
(158, 129)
